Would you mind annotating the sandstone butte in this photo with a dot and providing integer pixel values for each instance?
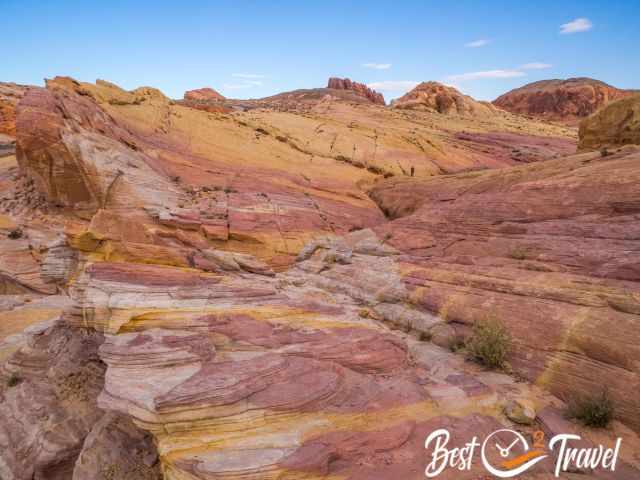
(273, 293)
(439, 98)
(567, 101)
(358, 88)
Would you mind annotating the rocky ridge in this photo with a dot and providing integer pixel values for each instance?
(358, 88)
(567, 101)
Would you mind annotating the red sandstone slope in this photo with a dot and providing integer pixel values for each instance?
(560, 100)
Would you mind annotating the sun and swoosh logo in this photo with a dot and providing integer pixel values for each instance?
(510, 466)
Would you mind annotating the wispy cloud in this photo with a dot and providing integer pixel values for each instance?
(488, 74)
(535, 66)
(393, 85)
(578, 25)
(236, 86)
(478, 43)
(247, 75)
(377, 66)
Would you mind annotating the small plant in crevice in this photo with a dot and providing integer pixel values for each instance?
(489, 343)
(425, 336)
(518, 253)
(13, 380)
(455, 343)
(15, 234)
(593, 411)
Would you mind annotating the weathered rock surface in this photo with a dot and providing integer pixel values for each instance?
(439, 98)
(505, 244)
(235, 290)
(10, 94)
(116, 449)
(567, 100)
(359, 88)
(206, 93)
(615, 125)
(49, 389)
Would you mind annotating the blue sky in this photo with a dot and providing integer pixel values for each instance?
(250, 49)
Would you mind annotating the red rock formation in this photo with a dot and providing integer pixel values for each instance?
(549, 248)
(435, 97)
(560, 100)
(359, 88)
(200, 94)
(10, 94)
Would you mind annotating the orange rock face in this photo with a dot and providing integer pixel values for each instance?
(203, 94)
(560, 100)
(10, 94)
(359, 88)
(435, 97)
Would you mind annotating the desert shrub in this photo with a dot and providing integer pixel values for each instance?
(15, 234)
(604, 152)
(13, 380)
(593, 411)
(455, 343)
(518, 253)
(489, 343)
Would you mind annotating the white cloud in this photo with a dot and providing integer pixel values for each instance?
(237, 86)
(393, 85)
(478, 43)
(247, 75)
(578, 25)
(488, 74)
(377, 66)
(535, 66)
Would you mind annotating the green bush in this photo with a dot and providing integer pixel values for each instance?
(489, 343)
(13, 380)
(594, 411)
(518, 253)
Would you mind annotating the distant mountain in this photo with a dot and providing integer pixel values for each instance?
(566, 101)
(439, 98)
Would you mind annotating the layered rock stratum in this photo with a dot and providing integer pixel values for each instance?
(615, 125)
(275, 293)
(360, 89)
(10, 94)
(439, 98)
(567, 101)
